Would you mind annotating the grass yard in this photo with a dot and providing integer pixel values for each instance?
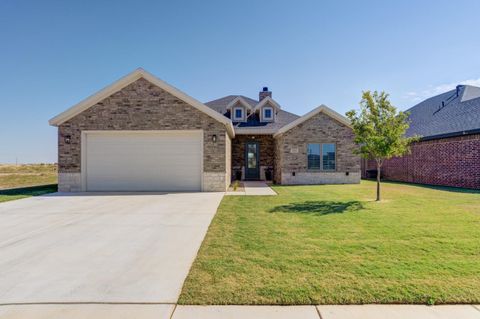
(333, 244)
(24, 192)
(14, 176)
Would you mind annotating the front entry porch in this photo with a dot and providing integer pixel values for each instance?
(253, 158)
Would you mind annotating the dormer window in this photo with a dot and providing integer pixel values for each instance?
(238, 114)
(267, 114)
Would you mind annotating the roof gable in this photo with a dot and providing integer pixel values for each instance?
(321, 109)
(470, 93)
(239, 100)
(268, 100)
(128, 79)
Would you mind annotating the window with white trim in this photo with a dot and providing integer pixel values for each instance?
(267, 114)
(238, 114)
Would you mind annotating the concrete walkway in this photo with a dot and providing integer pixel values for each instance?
(329, 312)
(170, 311)
(254, 188)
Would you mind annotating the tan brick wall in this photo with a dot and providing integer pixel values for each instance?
(291, 150)
(142, 106)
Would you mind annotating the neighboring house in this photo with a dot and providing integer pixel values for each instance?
(449, 151)
(142, 134)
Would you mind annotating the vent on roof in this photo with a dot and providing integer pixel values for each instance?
(440, 107)
(457, 90)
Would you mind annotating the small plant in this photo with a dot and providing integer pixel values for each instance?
(430, 301)
(268, 173)
(235, 185)
(238, 175)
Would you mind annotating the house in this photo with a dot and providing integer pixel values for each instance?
(142, 134)
(448, 153)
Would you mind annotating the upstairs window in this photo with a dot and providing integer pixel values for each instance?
(267, 114)
(238, 114)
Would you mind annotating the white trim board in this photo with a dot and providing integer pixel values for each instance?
(321, 109)
(128, 79)
(267, 100)
(240, 100)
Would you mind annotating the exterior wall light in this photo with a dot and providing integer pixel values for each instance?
(68, 139)
(214, 138)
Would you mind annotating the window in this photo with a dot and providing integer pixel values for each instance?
(238, 113)
(313, 156)
(328, 157)
(267, 113)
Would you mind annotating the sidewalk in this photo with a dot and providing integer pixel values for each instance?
(171, 311)
(254, 188)
(329, 312)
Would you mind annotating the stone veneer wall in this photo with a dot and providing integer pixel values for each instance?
(266, 145)
(228, 160)
(291, 153)
(277, 174)
(143, 106)
(453, 161)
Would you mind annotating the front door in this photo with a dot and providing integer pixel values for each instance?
(252, 167)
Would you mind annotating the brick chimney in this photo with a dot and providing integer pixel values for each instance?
(264, 93)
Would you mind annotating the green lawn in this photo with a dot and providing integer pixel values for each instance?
(18, 193)
(334, 245)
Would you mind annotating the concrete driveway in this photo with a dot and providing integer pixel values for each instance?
(101, 248)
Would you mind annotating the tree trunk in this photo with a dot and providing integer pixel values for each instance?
(379, 167)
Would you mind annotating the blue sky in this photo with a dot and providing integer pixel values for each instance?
(56, 53)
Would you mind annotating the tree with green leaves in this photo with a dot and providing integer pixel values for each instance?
(380, 130)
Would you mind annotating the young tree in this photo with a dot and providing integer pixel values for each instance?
(380, 130)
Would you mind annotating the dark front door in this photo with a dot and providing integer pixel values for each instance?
(252, 167)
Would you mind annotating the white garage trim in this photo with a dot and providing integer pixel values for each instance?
(84, 144)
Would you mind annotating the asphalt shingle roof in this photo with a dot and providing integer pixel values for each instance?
(220, 105)
(253, 123)
(457, 114)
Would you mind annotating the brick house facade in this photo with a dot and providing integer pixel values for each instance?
(291, 153)
(262, 140)
(453, 161)
(448, 153)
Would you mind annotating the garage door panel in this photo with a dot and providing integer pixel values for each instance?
(158, 161)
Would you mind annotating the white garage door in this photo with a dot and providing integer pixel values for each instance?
(143, 161)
